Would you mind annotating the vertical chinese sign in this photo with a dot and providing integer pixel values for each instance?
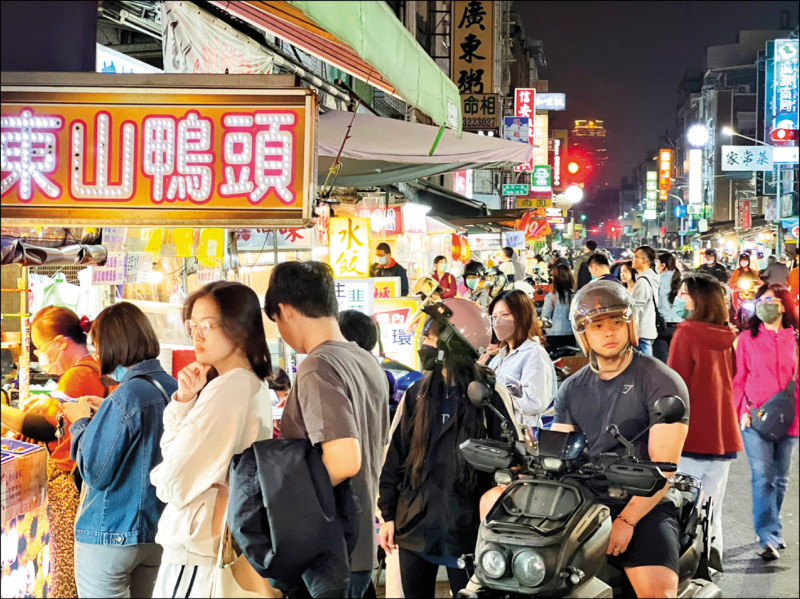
(349, 242)
(651, 196)
(524, 105)
(472, 63)
(108, 154)
(782, 68)
(664, 173)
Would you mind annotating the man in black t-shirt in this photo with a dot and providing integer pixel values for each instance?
(620, 386)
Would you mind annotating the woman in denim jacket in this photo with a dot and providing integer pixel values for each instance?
(115, 444)
(556, 308)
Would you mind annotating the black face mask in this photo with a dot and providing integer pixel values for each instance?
(427, 357)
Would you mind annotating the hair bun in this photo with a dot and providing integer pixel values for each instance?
(86, 324)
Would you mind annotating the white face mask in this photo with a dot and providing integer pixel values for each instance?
(382, 260)
(48, 366)
(710, 262)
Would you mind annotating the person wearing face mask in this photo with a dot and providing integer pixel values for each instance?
(766, 361)
(446, 281)
(429, 495)
(519, 358)
(60, 340)
(474, 271)
(702, 353)
(712, 267)
(115, 444)
(388, 267)
(745, 272)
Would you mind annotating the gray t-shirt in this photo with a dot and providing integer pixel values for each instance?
(342, 392)
(592, 404)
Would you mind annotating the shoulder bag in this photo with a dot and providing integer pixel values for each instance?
(661, 324)
(773, 418)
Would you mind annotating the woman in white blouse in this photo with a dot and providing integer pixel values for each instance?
(519, 359)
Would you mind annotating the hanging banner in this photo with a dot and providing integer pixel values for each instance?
(144, 154)
(194, 41)
(746, 158)
(534, 225)
(472, 46)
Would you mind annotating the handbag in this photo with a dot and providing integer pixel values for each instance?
(772, 419)
(661, 324)
(234, 576)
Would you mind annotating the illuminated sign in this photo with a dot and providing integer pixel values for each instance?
(649, 215)
(516, 128)
(391, 316)
(695, 176)
(540, 139)
(664, 172)
(746, 158)
(550, 101)
(651, 192)
(354, 294)
(480, 112)
(349, 242)
(541, 179)
(524, 105)
(156, 155)
(415, 219)
(472, 46)
(462, 183)
(782, 71)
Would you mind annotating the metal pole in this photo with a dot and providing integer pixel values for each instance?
(779, 213)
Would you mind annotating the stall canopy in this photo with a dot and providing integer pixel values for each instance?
(383, 151)
(366, 40)
(16, 251)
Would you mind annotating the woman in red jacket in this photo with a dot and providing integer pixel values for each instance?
(701, 351)
(446, 281)
(766, 360)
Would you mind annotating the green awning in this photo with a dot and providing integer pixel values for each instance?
(381, 40)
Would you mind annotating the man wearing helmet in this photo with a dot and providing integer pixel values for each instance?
(620, 386)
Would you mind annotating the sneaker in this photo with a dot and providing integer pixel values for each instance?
(715, 560)
(781, 544)
(769, 554)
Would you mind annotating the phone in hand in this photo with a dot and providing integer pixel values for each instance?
(62, 397)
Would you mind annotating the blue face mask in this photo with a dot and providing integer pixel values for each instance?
(119, 373)
(679, 305)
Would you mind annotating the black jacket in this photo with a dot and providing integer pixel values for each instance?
(288, 520)
(718, 271)
(437, 518)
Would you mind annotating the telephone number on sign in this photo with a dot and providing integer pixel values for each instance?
(480, 123)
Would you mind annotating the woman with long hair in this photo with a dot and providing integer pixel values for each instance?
(222, 406)
(669, 283)
(115, 446)
(429, 495)
(519, 358)
(59, 337)
(766, 361)
(556, 308)
(627, 275)
(702, 353)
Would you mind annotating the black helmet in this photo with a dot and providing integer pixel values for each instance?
(474, 269)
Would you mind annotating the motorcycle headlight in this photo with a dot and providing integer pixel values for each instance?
(493, 563)
(745, 284)
(529, 568)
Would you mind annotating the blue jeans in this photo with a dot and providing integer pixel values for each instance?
(769, 468)
(646, 346)
(114, 571)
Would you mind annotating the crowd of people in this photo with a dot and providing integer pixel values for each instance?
(150, 455)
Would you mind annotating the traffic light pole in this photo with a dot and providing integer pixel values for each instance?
(779, 213)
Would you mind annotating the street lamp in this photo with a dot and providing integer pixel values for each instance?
(574, 194)
(730, 132)
(697, 135)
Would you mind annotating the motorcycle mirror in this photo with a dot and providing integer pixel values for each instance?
(670, 409)
(479, 393)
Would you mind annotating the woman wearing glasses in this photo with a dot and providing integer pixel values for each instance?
(115, 445)
(60, 341)
(766, 360)
(519, 359)
(222, 406)
(702, 353)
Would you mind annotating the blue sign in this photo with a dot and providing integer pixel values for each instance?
(516, 128)
(680, 211)
(781, 93)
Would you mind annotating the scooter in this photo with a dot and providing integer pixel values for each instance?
(743, 304)
(547, 534)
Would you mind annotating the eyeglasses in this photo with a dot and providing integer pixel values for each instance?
(768, 300)
(203, 327)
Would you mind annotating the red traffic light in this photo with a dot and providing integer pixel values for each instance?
(577, 167)
(573, 167)
(783, 134)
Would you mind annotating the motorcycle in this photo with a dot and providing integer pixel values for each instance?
(547, 534)
(743, 304)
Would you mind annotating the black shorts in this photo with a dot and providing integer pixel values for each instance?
(655, 542)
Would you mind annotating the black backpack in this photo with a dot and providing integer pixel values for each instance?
(773, 419)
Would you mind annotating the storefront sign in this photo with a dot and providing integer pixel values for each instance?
(534, 226)
(112, 272)
(462, 183)
(559, 150)
(485, 241)
(651, 193)
(354, 294)
(746, 158)
(524, 105)
(744, 218)
(664, 173)
(373, 207)
(551, 101)
(541, 179)
(540, 133)
(514, 240)
(785, 154)
(349, 242)
(516, 128)
(782, 70)
(103, 153)
(695, 176)
(472, 46)
(385, 287)
(533, 202)
(515, 189)
(415, 219)
(392, 316)
(480, 112)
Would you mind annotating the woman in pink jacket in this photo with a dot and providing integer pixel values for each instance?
(766, 360)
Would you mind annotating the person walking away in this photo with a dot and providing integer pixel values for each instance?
(582, 273)
(388, 267)
(429, 495)
(556, 308)
(340, 399)
(115, 446)
(507, 266)
(519, 358)
(600, 268)
(766, 360)
(645, 292)
(59, 337)
(669, 283)
(446, 281)
(776, 273)
(221, 407)
(627, 276)
(702, 353)
(714, 268)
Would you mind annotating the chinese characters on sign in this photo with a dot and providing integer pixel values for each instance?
(744, 217)
(480, 112)
(112, 272)
(349, 242)
(354, 294)
(651, 195)
(516, 128)
(472, 47)
(524, 105)
(783, 66)
(540, 178)
(391, 316)
(664, 173)
(462, 182)
(746, 158)
(194, 161)
(540, 155)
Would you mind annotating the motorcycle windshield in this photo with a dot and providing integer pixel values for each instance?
(544, 506)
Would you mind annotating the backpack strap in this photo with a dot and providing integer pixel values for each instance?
(155, 384)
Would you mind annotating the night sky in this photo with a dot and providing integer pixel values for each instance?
(622, 61)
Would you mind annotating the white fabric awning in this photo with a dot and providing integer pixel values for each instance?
(382, 151)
